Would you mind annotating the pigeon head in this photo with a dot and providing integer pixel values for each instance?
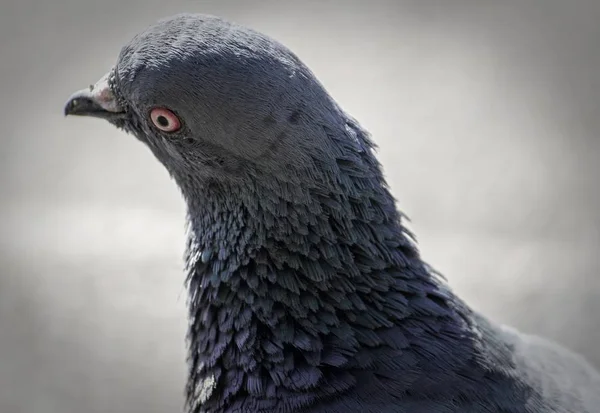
(212, 100)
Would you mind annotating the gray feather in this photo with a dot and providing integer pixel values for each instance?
(307, 294)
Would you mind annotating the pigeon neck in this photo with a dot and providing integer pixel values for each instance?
(295, 289)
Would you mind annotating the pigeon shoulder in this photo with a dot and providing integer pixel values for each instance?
(563, 378)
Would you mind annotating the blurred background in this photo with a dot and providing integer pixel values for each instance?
(487, 114)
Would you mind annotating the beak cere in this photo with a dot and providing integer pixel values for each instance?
(97, 101)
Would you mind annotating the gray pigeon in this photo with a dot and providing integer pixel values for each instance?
(306, 293)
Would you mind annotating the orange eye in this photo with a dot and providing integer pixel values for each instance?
(165, 120)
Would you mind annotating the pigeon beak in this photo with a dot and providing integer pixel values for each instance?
(98, 101)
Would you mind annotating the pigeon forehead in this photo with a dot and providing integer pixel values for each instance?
(201, 55)
(177, 31)
(193, 35)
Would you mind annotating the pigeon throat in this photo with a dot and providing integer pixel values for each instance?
(296, 289)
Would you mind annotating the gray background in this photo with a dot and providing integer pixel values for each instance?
(486, 113)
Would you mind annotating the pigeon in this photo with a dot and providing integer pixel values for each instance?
(307, 293)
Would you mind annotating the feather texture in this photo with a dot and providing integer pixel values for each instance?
(306, 291)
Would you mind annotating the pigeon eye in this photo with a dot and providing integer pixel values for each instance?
(165, 120)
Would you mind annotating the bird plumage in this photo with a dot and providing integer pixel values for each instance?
(307, 293)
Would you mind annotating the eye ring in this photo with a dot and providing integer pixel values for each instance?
(165, 120)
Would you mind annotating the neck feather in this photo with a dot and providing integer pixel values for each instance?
(297, 289)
